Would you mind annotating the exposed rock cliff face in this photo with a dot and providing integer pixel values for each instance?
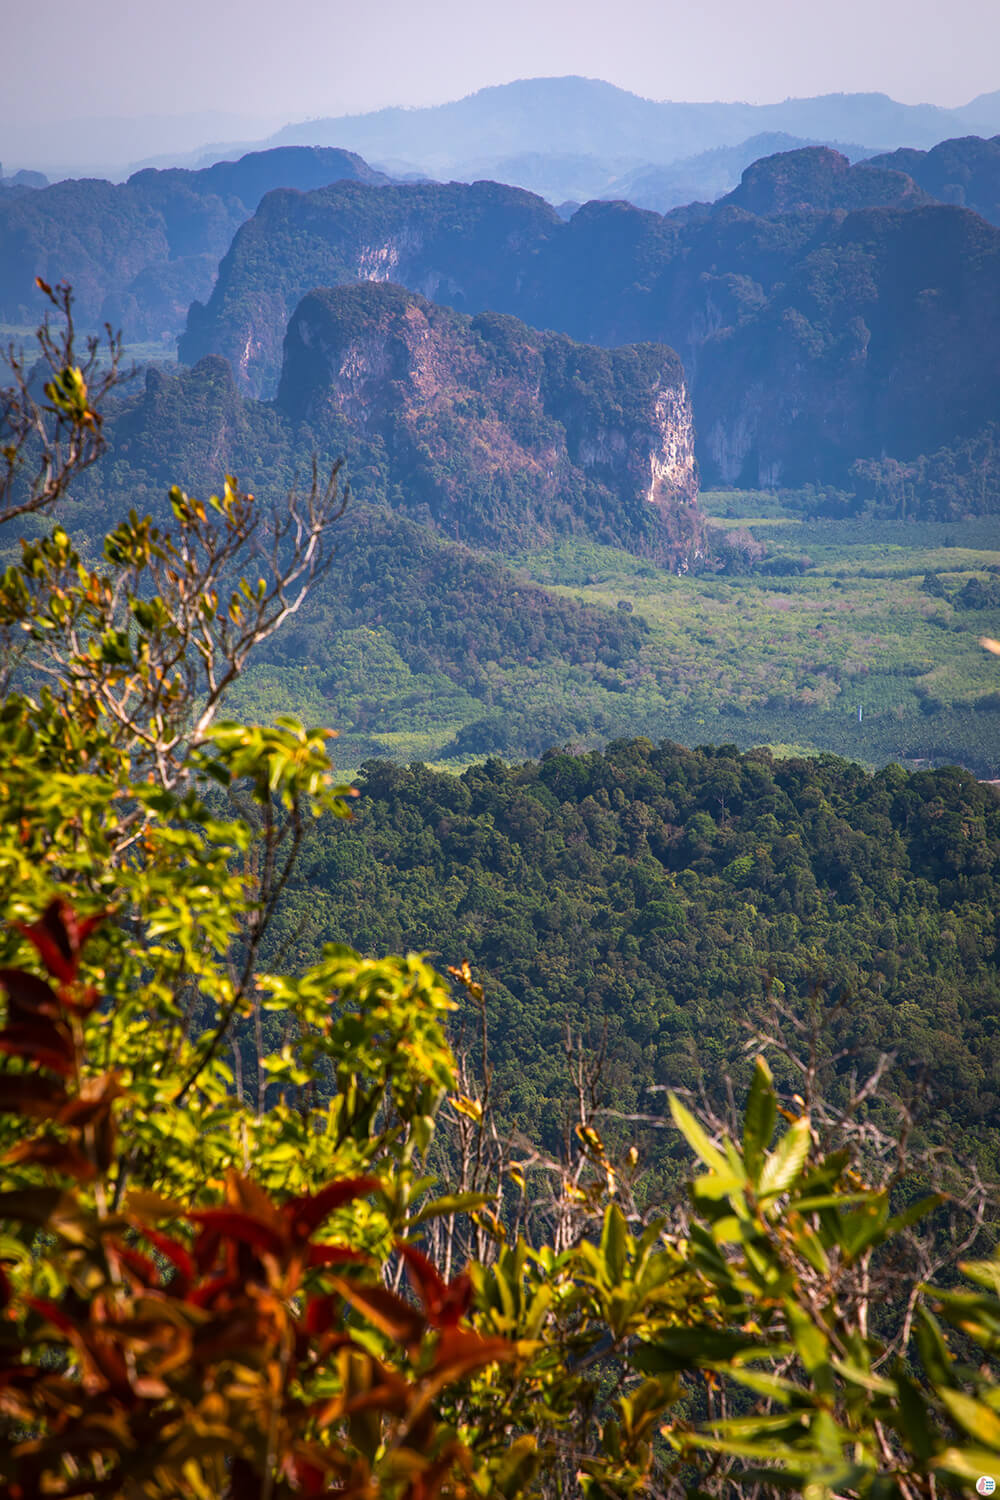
(498, 433)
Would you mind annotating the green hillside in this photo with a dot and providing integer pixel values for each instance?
(652, 895)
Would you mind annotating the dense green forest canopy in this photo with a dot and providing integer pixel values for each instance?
(657, 894)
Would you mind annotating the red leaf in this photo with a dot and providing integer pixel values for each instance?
(142, 1268)
(56, 936)
(28, 1094)
(444, 1302)
(320, 1315)
(304, 1214)
(28, 996)
(236, 1226)
(175, 1253)
(427, 1280)
(52, 1314)
(43, 1042)
(210, 1291)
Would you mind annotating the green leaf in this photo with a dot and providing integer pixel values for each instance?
(758, 1122)
(613, 1241)
(452, 1203)
(697, 1138)
(982, 1424)
(786, 1161)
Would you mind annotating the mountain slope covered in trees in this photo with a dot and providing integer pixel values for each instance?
(137, 253)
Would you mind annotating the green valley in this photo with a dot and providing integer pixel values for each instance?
(841, 615)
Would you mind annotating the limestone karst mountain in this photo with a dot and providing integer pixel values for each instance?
(812, 336)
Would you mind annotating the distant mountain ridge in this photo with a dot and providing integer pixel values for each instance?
(965, 172)
(587, 116)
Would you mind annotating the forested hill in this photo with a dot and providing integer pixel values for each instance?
(496, 433)
(862, 306)
(137, 253)
(659, 891)
(965, 171)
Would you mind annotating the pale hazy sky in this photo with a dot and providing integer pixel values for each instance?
(292, 59)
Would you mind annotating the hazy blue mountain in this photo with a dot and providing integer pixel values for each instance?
(707, 176)
(586, 117)
(553, 175)
(817, 177)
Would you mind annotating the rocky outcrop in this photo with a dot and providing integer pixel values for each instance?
(497, 433)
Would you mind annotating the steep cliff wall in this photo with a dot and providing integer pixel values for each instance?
(457, 243)
(884, 341)
(495, 432)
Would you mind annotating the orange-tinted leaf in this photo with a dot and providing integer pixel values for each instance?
(229, 1224)
(246, 1197)
(383, 1308)
(460, 1352)
(58, 1156)
(94, 1099)
(332, 1255)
